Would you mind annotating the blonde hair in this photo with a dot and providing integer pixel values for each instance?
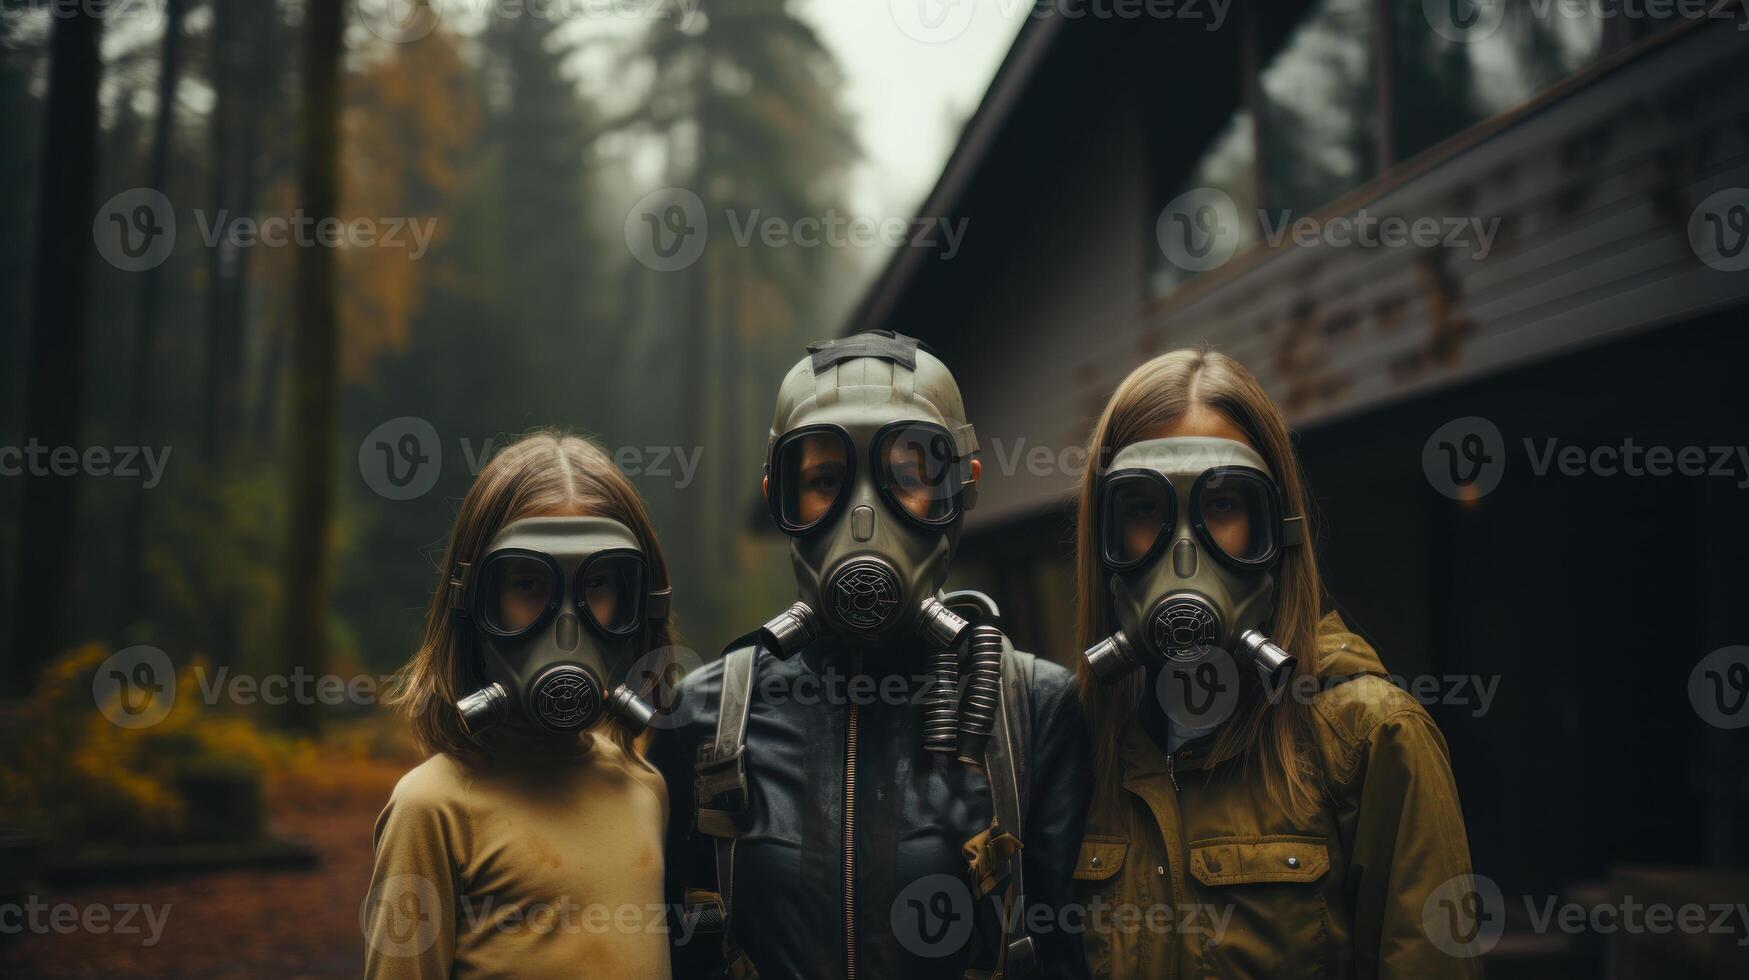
(543, 472)
(1273, 737)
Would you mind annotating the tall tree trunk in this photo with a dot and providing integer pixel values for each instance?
(240, 116)
(221, 258)
(132, 598)
(315, 359)
(53, 407)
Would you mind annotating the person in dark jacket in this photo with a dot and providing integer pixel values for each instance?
(874, 784)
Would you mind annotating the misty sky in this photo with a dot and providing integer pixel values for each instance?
(909, 97)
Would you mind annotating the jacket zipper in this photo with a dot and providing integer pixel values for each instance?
(1172, 882)
(850, 835)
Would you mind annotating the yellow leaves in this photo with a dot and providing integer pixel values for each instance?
(411, 119)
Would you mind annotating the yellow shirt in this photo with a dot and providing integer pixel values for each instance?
(536, 862)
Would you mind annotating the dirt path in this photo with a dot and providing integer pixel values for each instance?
(229, 923)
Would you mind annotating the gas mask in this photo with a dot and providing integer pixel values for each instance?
(1191, 529)
(559, 606)
(869, 473)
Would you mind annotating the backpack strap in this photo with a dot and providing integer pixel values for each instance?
(721, 784)
(1007, 759)
(720, 789)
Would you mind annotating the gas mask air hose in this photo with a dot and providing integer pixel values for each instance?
(983, 693)
(963, 725)
(941, 702)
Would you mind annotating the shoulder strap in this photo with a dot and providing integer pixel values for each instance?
(1007, 759)
(720, 788)
(721, 784)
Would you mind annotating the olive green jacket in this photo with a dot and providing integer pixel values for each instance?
(1194, 873)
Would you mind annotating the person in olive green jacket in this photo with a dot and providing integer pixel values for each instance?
(1267, 803)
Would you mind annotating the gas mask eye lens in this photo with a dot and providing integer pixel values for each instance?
(810, 474)
(516, 592)
(1137, 511)
(916, 465)
(1235, 512)
(610, 589)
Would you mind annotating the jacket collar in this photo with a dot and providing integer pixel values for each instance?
(1341, 654)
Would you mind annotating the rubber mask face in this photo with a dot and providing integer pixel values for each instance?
(871, 504)
(869, 475)
(1191, 529)
(558, 605)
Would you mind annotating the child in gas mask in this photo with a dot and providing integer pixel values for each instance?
(530, 842)
(1256, 772)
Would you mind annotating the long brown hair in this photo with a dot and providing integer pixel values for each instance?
(543, 472)
(1274, 738)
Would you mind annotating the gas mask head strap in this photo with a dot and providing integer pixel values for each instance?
(459, 578)
(656, 603)
(888, 345)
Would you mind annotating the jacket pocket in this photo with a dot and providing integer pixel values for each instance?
(1100, 857)
(1099, 884)
(1264, 910)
